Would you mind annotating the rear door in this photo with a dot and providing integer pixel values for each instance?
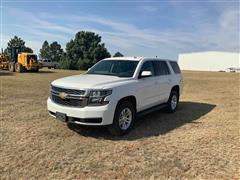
(176, 76)
(164, 80)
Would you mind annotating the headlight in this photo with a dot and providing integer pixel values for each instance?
(96, 97)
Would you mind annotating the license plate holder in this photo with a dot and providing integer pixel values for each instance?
(61, 116)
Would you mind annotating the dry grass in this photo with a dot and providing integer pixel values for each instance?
(201, 140)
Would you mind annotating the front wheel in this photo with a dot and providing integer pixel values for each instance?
(123, 119)
(11, 67)
(173, 100)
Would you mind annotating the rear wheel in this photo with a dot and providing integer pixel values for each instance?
(18, 67)
(123, 119)
(173, 101)
(11, 67)
(36, 70)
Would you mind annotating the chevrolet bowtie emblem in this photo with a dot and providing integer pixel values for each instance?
(63, 95)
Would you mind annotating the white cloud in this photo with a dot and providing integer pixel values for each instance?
(4, 40)
(35, 45)
(222, 35)
(149, 8)
(38, 22)
(229, 30)
(41, 34)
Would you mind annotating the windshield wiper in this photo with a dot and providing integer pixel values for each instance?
(106, 74)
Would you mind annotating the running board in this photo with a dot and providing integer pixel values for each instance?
(152, 109)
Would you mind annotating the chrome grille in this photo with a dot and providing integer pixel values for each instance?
(69, 102)
(73, 98)
(68, 91)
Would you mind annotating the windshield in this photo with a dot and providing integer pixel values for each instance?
(31, 57)
(120, 68)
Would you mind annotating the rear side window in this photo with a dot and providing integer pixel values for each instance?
(175, 67)
(161, 68)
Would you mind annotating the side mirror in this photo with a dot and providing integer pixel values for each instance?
(146, 74)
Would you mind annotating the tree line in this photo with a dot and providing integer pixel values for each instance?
(81, 52)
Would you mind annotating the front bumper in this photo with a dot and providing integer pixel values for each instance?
(89, 115)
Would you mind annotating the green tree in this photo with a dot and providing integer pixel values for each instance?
(27, 49)
(118, 54)
(19, 43)
(52, 52)
(84, 51)
(45, 51)
(64, 63)
(56, 51)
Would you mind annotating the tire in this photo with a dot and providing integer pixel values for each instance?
(125, 124)
(11, 67)
(49, 67)
(36, 70)
(18, 67)
(173, 100)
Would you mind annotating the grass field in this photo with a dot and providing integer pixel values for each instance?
(200, 140)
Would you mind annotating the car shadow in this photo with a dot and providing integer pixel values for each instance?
(5, 73)
(44, 72)
(153, 124)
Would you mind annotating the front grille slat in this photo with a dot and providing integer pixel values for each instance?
(74, 97)
(68, 91)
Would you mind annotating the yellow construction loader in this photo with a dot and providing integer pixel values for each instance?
(25, 62)
(21, 61)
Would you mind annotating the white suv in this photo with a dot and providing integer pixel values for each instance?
(114, 91)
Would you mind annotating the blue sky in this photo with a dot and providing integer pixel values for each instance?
(135, 28)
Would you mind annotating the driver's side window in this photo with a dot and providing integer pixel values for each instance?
(147, 66)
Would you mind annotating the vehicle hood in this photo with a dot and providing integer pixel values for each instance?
(88, 81)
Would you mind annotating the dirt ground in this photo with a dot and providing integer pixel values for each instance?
(200, 140)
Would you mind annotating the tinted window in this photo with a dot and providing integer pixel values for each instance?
(175, 67)
(161, 68)
(147, 66)
(120, 68)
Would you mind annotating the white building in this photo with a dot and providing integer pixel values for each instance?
(209, 61)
